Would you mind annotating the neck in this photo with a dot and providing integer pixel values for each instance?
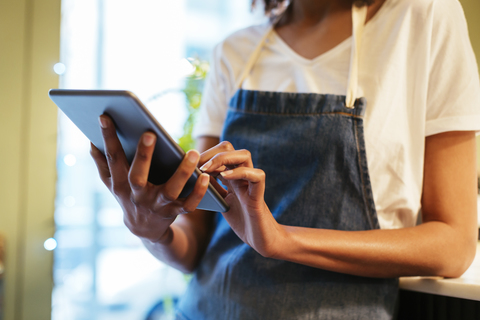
(308, 13)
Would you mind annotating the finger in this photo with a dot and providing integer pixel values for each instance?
(101, 163)
(218, 170)
(240, 158)
(174, 186)
(116, 159)
(243, 173)
(223, 146)
(193, 200)
(138, 175)
(255, 178)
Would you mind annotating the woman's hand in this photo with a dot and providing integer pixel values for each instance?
(249, 215)
(149, 210)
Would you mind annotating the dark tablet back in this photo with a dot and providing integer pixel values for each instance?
(131, 120)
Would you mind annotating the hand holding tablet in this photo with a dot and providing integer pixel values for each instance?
(133, 122)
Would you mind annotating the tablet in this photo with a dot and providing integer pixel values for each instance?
(131, 120)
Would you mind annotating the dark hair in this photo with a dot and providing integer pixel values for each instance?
(270, 6)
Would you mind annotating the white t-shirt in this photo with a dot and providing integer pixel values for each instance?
(417, 71)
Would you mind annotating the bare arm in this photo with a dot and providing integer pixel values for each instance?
(189, 235)
(444, 245)
(170, 227)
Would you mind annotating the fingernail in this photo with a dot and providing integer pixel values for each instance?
(226, 173)
(205, 179)
(148, 139)
(103, 122)
(192, 156)
(206, 166)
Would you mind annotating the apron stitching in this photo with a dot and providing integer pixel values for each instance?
(298, 114)
(360, 167)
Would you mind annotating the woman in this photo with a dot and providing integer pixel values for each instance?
(316, 230)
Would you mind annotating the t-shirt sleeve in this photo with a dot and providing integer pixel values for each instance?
(454, 87)
(214, 106)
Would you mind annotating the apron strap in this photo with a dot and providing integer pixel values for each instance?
(359, 17)
(253, 57)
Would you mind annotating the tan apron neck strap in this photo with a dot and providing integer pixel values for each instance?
(359, 17)
(253, 57)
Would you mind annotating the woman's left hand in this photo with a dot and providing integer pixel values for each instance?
(249, 216)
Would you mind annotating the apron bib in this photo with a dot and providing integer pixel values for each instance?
(312, 149)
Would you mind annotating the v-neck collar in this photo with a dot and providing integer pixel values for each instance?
(333, 52)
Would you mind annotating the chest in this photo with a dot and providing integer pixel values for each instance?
(312, 37)
(325, 35)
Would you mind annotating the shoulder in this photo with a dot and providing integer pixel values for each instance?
(435, 9)
(423, 22)
(238, 46)
(250, 35)
(418, 5)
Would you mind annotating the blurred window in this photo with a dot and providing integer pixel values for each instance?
(102, 271)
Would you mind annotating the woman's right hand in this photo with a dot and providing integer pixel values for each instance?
(149, 209)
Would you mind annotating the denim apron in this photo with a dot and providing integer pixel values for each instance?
(312, 149)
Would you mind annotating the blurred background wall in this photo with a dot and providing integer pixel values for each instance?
(29, 47)
(472, 12)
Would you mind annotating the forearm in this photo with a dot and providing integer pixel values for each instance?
(431, 249)
(444, 245)
(177, 252)
(183, 245)
(189, 235)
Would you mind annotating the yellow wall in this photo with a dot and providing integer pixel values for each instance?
(472, 12)
(29, 47)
